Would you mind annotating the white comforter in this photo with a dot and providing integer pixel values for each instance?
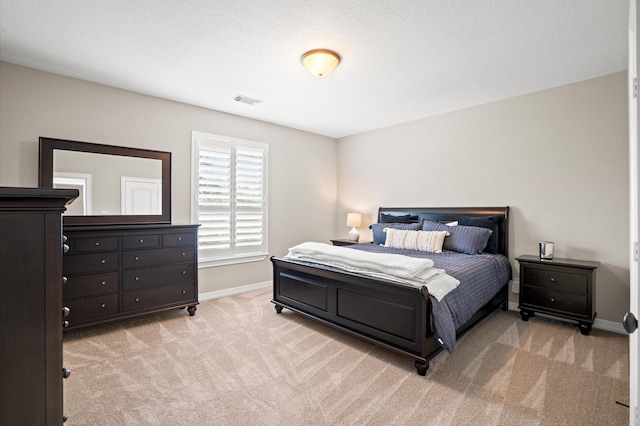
(393, 267)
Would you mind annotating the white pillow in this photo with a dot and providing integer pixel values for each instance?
(430, 241)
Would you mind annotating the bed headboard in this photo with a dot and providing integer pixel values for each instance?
(449, 214)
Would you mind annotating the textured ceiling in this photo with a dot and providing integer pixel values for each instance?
(401, 60)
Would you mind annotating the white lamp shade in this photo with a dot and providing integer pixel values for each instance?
(354, 219)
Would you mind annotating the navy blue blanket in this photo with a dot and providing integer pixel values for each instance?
(481, 276)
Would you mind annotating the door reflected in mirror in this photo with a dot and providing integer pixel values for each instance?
(109, 184)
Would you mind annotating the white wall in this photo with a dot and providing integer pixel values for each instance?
(302, 166)
(558, 158)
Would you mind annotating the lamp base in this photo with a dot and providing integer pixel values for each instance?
(354, 235)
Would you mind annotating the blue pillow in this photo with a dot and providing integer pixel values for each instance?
(463, 239)
(380, 237)
(489, 222)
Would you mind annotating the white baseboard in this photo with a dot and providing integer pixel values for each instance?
(234, 290)
(615, 327)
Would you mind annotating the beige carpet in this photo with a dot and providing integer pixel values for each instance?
(237, 362)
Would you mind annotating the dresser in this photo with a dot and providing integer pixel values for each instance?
(563, 288)
(31, 318)
(118, 271)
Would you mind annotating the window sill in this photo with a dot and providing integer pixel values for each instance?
(209, 263)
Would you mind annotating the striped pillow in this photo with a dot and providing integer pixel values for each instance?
(430, 241)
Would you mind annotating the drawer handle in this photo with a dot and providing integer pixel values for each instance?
(136, 299)
(553, 280)
(141, 240)
(64, 280)
(103, 282)
(136, 258)
(65, 248)
(104, 305)
(184, 272)
(65, 324)
(103, 261)
(184, 291)
(179, 238)
(553, 299)
(64, 238)
(184, 254)
(66, 373)
(97, 243)
(137, 278)
(65, 312)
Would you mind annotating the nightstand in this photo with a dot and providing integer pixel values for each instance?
(347, 242)
(563, 288)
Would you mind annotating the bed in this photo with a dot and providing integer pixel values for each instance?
(404, 318)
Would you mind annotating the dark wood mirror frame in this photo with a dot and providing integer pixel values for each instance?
(45, 179)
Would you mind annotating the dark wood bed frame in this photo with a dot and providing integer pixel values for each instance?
(391, 315)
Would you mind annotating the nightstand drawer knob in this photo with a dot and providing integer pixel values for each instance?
(553, 280)
(553, 299)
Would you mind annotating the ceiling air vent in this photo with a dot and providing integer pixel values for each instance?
(247, 100)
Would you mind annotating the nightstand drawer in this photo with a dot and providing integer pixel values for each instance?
(556, 278)
(555, 300)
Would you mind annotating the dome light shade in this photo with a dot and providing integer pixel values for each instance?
(320, 62)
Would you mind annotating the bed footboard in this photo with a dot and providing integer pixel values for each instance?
(385, 313)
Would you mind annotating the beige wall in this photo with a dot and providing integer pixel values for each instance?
(559, 158)
(302, 193)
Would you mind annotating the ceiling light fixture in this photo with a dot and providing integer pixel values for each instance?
(320, 62)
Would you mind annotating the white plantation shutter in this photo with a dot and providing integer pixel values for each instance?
(249, 198)
(230, 183)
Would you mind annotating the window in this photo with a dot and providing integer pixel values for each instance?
(229, 188)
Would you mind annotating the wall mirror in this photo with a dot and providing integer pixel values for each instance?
(117, 185)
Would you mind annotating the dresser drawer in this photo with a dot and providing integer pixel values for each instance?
(142, 258)
(174, 274)
(158, 296)
(556, 278)
(184, 239)
(539, 297)
(89, 245)
(140, 241)
(89, 285)
(91, 307)
(86, 263)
